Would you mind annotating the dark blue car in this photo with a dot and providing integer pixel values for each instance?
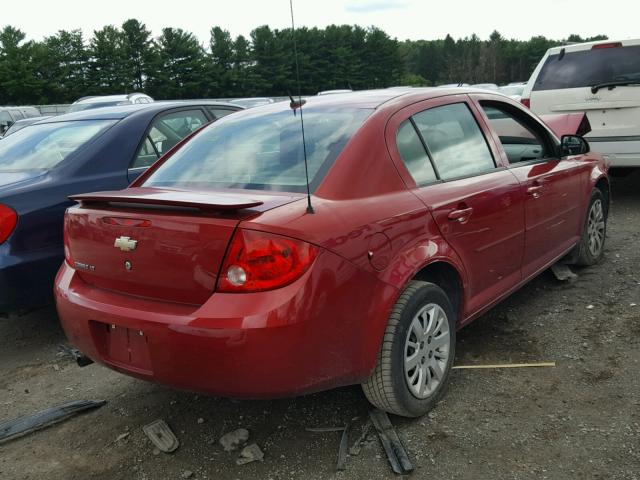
(41, 165)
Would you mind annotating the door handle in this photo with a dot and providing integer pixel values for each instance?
(534, 191)
(461, 215)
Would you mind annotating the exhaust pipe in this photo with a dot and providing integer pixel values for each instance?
(82, 360)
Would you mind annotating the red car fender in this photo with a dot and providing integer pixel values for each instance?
(410, 261)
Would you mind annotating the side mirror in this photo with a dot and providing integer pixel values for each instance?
(574, 145)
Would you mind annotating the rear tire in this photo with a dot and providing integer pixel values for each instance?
(591, 247)
(418, 347)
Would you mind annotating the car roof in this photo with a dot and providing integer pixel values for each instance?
(575, 47)
(109, 98)
(377, 98)
(122, 111)
(31, 120)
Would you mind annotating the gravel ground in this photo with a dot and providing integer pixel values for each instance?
(578, 420)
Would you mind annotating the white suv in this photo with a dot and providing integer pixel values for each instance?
(601, 79)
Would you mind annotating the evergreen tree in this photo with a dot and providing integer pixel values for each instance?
(179, 66)
(138, 52)
(108, 63)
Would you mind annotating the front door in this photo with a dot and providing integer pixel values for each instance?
(552, 187)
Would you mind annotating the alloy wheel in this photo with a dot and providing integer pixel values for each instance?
(426, 351)
(596, 229)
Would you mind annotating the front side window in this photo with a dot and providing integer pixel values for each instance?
(166, 131)
(586, 68)
(414, 155)
(262, 150)
(519, 141)
(43, 146)
(454, 139)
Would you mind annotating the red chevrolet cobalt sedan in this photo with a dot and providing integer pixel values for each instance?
(429, 206)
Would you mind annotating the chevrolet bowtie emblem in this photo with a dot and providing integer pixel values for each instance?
(125, 244)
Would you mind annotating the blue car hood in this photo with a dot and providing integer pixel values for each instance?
(10, 178)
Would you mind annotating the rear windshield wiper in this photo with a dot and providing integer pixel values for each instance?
(612, 85)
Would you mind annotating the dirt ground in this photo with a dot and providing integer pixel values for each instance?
(579, 420)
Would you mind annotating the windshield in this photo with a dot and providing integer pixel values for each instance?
(41, 147)
(78, 107)
(587, 68)
(262, 151)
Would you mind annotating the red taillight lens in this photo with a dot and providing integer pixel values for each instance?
(258, 261)
(67, 251)
(606, 45)
(526, 102)
(8, 221)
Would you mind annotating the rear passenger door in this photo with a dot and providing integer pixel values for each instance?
(552, 187)
(476, 202)
(165, 131)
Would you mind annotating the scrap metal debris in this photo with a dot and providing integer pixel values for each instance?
(161, 436)
(18, 427)
(505, 365)
(357, 446)
(232, 440)
(562, 272)
(396, 452)
(250, 453)
(344, 447)
(324, 429)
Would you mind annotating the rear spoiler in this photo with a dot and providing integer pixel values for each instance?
(169, 198)
(567, 123)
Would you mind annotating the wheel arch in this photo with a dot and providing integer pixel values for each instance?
(445, 275)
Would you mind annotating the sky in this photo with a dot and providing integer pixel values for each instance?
(403, 19)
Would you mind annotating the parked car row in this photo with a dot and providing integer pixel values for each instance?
(242, 261)
(10, 115)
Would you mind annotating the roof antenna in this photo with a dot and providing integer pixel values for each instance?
(295, 105)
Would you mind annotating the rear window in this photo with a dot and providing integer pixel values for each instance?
(41, 147)
(589, 67)
(261, 150)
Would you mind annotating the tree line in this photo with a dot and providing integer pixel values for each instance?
(175, 65)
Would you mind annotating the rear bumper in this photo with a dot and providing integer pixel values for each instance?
(26, 281)
(322, 331)
(618, 153)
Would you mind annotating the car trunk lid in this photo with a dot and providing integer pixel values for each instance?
(160, 244)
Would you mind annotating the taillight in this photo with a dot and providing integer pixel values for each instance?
(526, 102)
(8, 221)
(599, 46)
(67, 250)
(258, 261)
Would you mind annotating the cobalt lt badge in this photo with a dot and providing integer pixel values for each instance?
(125, 244)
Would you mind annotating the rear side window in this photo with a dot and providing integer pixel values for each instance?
(414, 155)
(589, 67)
(167, 130)
(219, 112)
(454, 139)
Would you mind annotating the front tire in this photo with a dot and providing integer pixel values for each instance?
(591, 247)
(417, 352)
